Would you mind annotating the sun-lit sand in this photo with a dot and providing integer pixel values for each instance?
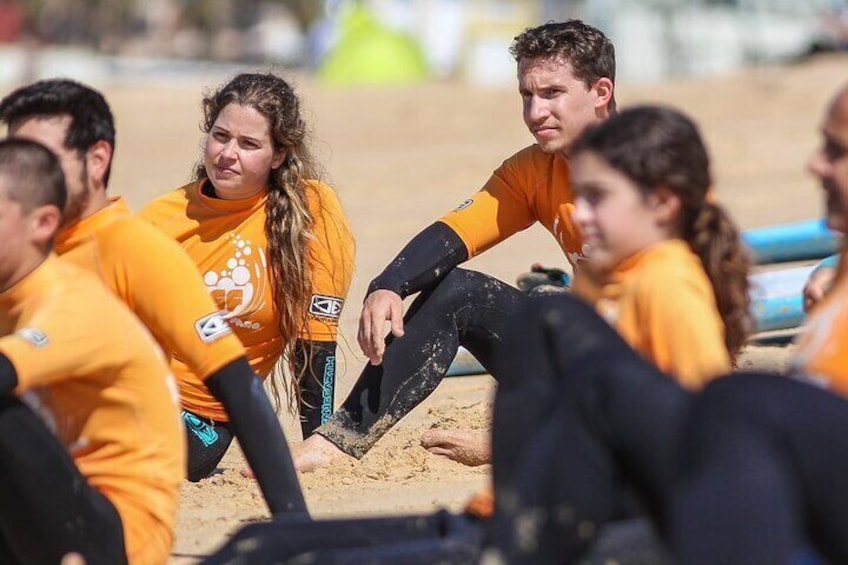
(401, 157)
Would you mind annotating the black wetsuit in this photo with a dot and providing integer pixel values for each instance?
(455, 307)
(47, 507)
(750, 470)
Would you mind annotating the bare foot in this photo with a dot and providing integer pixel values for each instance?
(315, 452)
(468, 447)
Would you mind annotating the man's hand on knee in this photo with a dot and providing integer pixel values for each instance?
(379, 307)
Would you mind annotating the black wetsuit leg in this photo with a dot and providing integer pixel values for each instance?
(315, 362)
(47, 508)
(763, 475)
(465, 308)
(581, 424)
(406, 540)
(207, 441)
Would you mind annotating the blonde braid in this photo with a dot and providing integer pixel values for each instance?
(288, 226)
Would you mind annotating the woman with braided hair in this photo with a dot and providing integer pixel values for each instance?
(272, 244)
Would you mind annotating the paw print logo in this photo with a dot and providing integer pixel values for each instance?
(234, 288)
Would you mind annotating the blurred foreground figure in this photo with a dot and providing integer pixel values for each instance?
(92, 453)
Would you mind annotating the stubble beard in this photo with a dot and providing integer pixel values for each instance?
(78, 202)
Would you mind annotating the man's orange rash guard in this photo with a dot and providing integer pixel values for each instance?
(100, 382)
(157, 280)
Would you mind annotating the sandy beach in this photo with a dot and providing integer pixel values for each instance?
(399, 158)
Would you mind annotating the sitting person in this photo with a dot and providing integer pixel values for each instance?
(93, 453)
(275, 251)
(566, 75)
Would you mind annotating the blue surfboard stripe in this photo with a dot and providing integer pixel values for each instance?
(797, 241)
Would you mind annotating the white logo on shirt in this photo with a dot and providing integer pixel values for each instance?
(326, 306)
(608, 309)
(33, 336)
(237, 289)
(212, 327)
(464, 204)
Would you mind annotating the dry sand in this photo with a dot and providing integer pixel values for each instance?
(401, 157)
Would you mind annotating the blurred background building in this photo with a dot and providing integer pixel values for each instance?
(351, 41)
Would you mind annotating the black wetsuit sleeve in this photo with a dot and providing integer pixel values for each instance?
(315, 362)
(258, 432)
(424, 261)
(8, 375)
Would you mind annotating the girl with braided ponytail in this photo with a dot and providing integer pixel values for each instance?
(274, 248)
(665, 262)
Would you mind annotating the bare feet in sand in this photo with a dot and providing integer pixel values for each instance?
(315, 452)
(469, 447)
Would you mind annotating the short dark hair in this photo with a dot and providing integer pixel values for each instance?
(91, 118)
(589, 52)
(33, 174)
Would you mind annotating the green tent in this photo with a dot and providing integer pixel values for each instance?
(368, 53)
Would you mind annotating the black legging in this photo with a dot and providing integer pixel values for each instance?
(746, 472)
(207, 442)
(408, 540)
(465, 308)
(405, 540)
(764, 475)
(47, 508)
(581, 424)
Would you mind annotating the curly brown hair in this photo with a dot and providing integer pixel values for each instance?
(589, 52)
(657, 147)
(289, 222)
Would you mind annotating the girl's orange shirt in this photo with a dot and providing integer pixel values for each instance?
(226, 240)
(662, 303)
